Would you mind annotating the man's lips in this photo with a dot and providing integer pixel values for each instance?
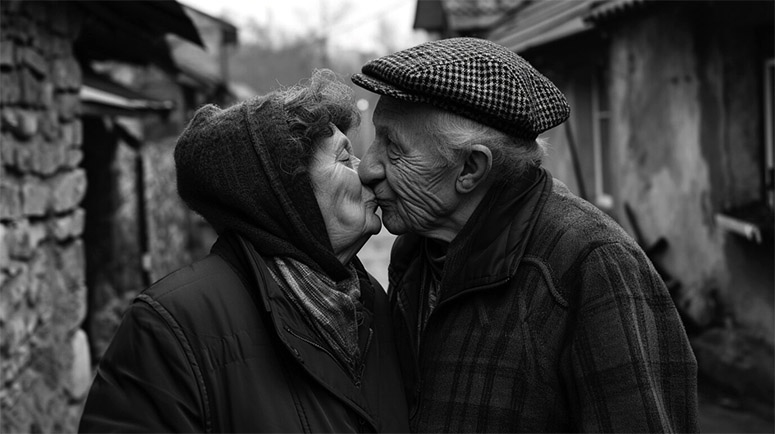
(382, 202)
(370, 199)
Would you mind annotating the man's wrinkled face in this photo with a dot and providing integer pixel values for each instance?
(348, 207)
(414, 189)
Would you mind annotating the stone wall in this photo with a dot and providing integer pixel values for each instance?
(43, 351)
(172, 227)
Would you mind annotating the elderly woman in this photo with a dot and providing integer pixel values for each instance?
(280, 328)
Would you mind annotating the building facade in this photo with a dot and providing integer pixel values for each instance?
(671, 133)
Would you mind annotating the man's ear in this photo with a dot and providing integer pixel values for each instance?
(475, 170)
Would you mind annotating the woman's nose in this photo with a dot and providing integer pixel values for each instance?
(371, 170)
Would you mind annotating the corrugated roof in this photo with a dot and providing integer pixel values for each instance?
(205, 23)
(610, 8)
(461, 15)
(99, 94)
(477, 14)
(195, 62)
(542, 22)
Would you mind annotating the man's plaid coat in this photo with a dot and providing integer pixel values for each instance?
(550, 319)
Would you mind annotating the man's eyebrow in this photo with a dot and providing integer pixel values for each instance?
(391, 134)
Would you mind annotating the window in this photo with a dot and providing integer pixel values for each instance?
(755, 221)
(601, 141)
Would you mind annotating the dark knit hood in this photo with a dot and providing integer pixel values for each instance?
(228, 170)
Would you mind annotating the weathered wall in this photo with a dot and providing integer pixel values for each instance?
(730, 45)
(43, 352)
(686, 133)
(176, 236)
(687, 125)
(688, 128)
(656, 126)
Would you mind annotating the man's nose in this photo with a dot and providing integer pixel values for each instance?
(371, 170)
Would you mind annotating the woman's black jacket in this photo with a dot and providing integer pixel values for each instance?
(217, 347)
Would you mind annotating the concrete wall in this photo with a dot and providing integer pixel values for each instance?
(687, 127)
(43, 351)
(656, 125)
(688, 132)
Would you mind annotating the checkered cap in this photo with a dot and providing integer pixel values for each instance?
(474, 78)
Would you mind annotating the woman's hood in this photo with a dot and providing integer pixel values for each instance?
(228, 171)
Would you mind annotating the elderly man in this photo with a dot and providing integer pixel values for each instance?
(518, 306)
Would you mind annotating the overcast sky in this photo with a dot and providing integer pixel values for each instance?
(352, 23)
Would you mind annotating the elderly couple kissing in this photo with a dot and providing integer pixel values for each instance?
(513, 305)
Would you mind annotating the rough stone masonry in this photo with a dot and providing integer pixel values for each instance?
(44, 354)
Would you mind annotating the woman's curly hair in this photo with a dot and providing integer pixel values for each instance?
(311, 107)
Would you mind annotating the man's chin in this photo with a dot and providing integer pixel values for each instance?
(375, 230)
(394, 227)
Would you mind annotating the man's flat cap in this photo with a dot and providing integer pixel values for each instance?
(475, 78)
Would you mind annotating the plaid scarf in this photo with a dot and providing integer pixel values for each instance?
(333, 309)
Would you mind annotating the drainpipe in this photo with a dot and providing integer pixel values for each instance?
(142, 217)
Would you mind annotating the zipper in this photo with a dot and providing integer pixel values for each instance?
(313, 343)
(466, 292)
(421, 332)
(448, 301)
(415, 354)
(363, 359)
(356, 381)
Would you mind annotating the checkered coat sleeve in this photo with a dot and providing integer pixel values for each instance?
(628, 365)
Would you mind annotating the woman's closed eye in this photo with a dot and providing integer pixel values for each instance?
(346, 158)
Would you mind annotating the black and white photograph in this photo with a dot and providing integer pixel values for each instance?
(398, 216)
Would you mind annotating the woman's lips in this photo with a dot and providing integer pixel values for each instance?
(370, 199)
